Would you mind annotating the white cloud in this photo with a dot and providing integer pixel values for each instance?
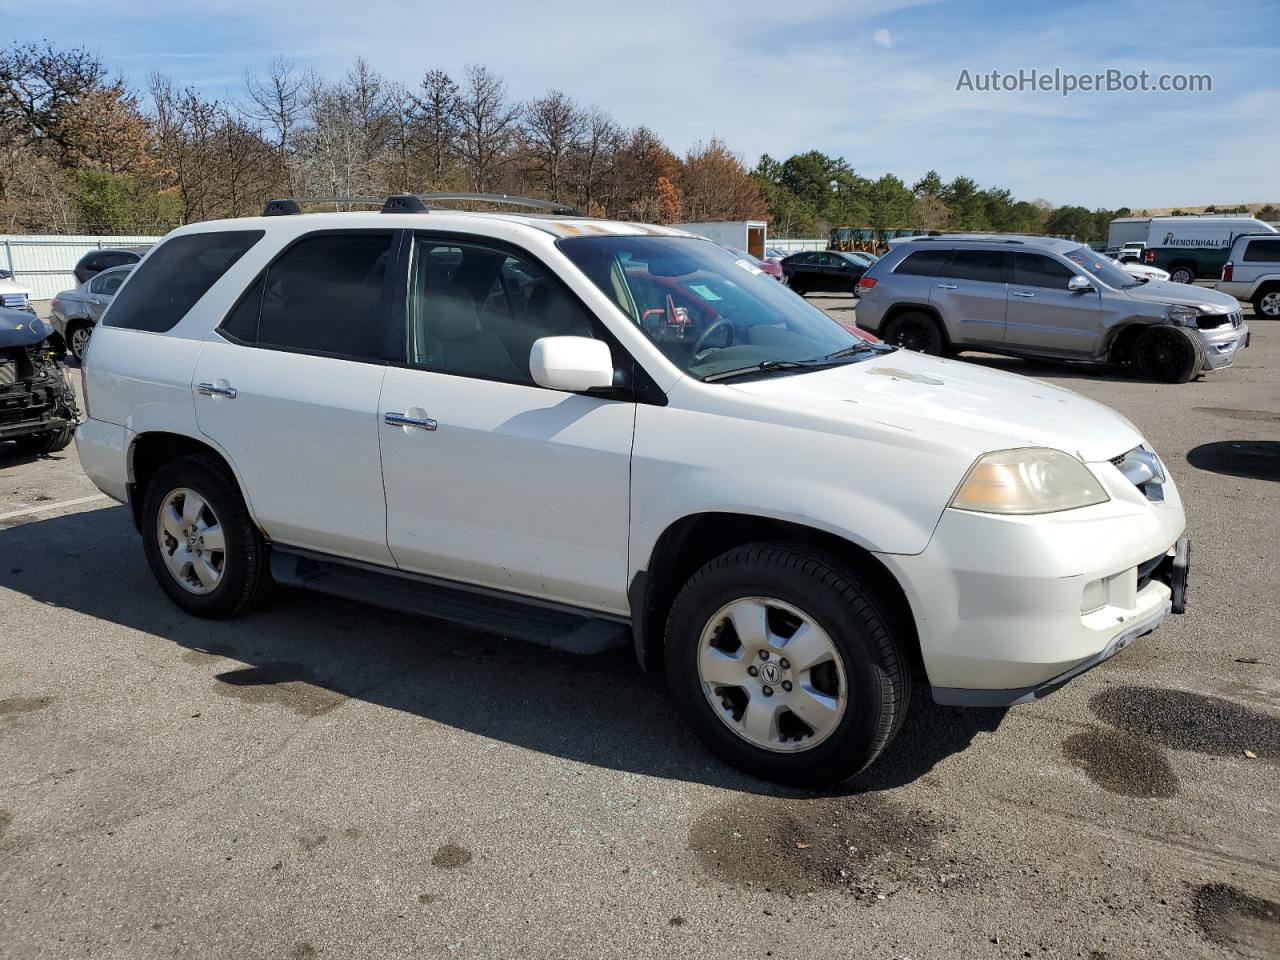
(883, 37)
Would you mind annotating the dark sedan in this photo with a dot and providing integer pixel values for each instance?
(95, 261)
(824, 271)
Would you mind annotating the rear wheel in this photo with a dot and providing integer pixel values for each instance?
(1169, 354)
(200, 541)
(914, 331)
(1182, 273)
(1267, 303)
(785, 666)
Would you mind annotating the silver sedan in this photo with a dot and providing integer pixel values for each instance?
(75, 312)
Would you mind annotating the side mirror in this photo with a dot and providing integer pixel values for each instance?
(572, 364)
(1079, 284)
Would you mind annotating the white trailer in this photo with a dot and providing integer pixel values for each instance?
(1187, 247)
(748, 235)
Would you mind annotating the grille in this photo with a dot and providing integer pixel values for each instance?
(8, 371)
(1211, 321)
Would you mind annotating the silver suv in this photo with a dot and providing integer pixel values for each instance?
(1252, 272)
(1041, 297)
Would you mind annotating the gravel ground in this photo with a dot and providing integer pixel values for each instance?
(326, 780)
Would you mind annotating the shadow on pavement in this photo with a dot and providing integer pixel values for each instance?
(1253, 459)
(599, 710)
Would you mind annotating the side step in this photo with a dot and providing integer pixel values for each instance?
(555, 626)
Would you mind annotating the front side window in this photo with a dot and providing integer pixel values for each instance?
(1034, 270)
(177, 273)
(704, 309)
(1101, 268)
(476, 310)
(987, 266)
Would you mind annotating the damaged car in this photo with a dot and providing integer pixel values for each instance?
(37, 402)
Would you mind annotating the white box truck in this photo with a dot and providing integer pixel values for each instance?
(1188, 247)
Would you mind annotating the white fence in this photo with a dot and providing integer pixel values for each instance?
(795, 246)
(44, 263)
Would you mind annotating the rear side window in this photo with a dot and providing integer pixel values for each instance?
(327, 294)
(925, 263)
(1262, 251)
(985, 265)
(1034, 270)
(177, 274)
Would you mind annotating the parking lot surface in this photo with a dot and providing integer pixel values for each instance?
(322, 779)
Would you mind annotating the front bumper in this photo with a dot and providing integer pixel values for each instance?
(1222, 344)
(1010, 608)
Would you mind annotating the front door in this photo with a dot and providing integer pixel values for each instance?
(288, 388)
(489, 478)
(1044, 316)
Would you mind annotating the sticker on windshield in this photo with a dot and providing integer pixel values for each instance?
(749, 267)
(705, 292)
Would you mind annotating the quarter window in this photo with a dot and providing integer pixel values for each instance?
(984, 265)
(1033, 270)
(476, 310)
(327, 294)
(925, 263)
(1262, 251)
(177, 273)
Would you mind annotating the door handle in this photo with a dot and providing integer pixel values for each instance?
(946, 286)
(404, 420)
(1020, 293)
(219, 389)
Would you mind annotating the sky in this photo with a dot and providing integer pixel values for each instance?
(872, 81)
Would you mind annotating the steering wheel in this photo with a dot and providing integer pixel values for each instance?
(716, 325)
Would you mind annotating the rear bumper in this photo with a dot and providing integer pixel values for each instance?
(103, 448)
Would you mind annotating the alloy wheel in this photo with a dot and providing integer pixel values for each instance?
(911, 335)
(192, 543)
(1269, 305)
(80, 341)
(772, 674)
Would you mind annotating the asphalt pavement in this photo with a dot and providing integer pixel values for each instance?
(322, 779)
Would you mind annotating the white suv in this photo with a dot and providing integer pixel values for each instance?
(588, 434)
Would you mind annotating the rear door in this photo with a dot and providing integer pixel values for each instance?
(972, 296)
(102, 290)
(1043, 315)
(288, 386)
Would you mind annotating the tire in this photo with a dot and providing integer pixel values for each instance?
(228, 581)
(78, 335)
(799, 290)
(915, 331)
(1182, 273)
(1169, 354)
(862, 660)
(50, 441)
(1267, 303)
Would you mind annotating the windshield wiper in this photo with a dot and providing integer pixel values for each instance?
(839, 358)
(862, 346)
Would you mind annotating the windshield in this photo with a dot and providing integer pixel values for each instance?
(707, 310)
(1101, 267)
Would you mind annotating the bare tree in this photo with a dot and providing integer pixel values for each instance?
(276, 101)
(40, 87)
(488, 124)
(595, 159)
(437, 122)
(554, 127)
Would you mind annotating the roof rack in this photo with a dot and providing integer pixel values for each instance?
(967, 239)
(416, 203)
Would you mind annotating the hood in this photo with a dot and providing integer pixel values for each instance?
(20, 329)
(1206, 300)
(957, 403)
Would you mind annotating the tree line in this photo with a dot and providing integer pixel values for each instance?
(83, 152)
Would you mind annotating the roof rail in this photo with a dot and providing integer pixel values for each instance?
(422, 202)
(289, 206)
(973, 239)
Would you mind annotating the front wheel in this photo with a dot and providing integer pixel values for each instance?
(200, 541)
(1169, 354)
(784, 664)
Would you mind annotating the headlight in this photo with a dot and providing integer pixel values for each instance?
(1028, 480)
(1181, 315)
